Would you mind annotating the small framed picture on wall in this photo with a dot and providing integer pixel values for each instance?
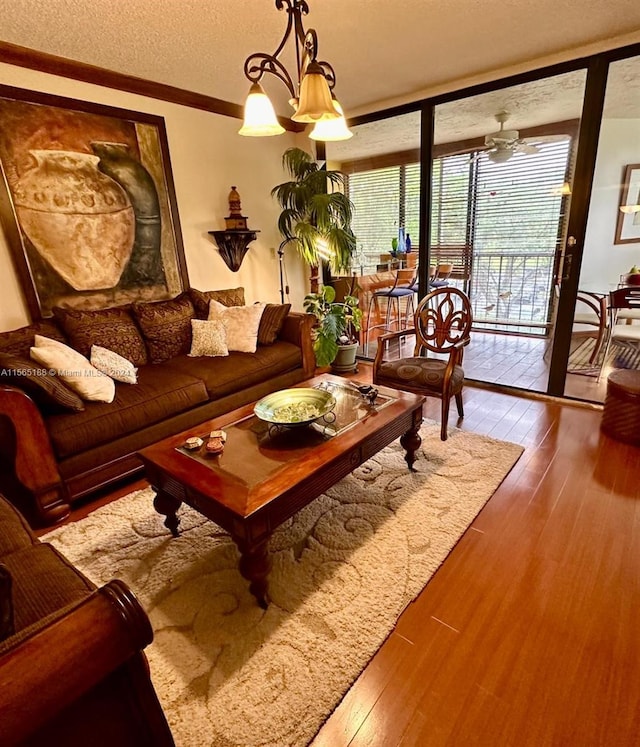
(628, 223)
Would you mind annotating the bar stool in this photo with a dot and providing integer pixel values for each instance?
(441, 275)
(403, 287)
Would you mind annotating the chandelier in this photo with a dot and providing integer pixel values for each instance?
(310, 91)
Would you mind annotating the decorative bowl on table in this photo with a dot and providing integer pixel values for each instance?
(296, 407)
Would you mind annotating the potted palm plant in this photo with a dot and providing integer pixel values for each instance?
(335, 334)
(316, 214)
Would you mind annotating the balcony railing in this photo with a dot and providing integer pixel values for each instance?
(512, 292)
(509, 292)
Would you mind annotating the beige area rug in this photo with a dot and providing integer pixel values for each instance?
(229, 673)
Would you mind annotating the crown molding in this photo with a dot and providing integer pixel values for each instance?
(13, 54)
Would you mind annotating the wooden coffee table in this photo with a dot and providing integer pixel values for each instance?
(266, 474)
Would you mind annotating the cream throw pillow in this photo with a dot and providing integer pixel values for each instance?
(208, 338)
(113, 365)
(74, 369)
(241, 324)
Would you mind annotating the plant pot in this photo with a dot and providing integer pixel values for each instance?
(345, 360)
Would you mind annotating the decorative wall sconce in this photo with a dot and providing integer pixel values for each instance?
(233, 242)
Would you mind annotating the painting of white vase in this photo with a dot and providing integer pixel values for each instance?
(80, 220)
(87, 203)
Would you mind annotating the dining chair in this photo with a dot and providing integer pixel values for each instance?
(442, 326)
(622, 301)
(591, 312)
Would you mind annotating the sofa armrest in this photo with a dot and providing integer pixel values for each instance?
(66, 657)
(297, 329)
(34, 463)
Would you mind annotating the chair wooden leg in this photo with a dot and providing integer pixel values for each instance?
(445, 419)
(459, 404)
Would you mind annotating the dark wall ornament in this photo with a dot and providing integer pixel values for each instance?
(87, 203)
(233, 243)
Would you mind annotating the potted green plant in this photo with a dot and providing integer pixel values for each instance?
(335, 335)
(315, 220)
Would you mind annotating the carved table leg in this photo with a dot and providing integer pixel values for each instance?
(168, 506)
(410, 442)
(255, 565)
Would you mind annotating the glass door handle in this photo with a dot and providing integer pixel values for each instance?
(566, 267)
(568, 258)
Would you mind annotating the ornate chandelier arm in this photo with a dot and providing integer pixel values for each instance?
(329, 73)
(258, 64)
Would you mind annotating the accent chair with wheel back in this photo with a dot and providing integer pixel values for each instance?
(442, 326)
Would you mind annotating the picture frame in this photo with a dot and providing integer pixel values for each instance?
(87, 203)
(628, 221)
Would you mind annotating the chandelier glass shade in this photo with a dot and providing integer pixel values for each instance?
(331, 130)
(310, 90)
(259, 116)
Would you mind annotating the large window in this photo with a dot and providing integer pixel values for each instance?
(498, 222)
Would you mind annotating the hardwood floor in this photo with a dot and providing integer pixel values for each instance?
(515, 361)
(528, 633)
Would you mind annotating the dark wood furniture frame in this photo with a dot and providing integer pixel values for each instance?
(250, 513)
(51, 681)
(442, 324)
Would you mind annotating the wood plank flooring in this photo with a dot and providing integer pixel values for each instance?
(515, 361)
(527, 635)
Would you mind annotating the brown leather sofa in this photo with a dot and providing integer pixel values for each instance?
(51, 457)
(72, 667)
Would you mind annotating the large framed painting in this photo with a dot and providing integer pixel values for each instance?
(87, 203)
(628, 223)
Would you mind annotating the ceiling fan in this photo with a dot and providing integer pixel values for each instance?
(504, 143)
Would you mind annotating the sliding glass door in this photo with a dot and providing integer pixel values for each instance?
(501, 175)
(612, 237)
(495, 184)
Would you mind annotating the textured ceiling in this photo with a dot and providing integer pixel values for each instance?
(379, 49)
(383, 52)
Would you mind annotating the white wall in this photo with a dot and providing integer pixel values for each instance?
(207, 157)
(603, 261)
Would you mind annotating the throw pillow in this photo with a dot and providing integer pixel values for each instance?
(240, 323)
(208, 338)
(113, 329)
(18, 341)
(6, 603)
(74, 369)
(228, 297)
(113, 365)
(166, 326)
(271, 322)
(44, 388)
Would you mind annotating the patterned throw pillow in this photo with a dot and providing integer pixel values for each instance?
(19, 341)
(113, 365)
(166, 326)
(240, 323)
(46, 390)
(228, 297)
(113, 329)
(74, 369)
(271, 322)
(208, 338)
